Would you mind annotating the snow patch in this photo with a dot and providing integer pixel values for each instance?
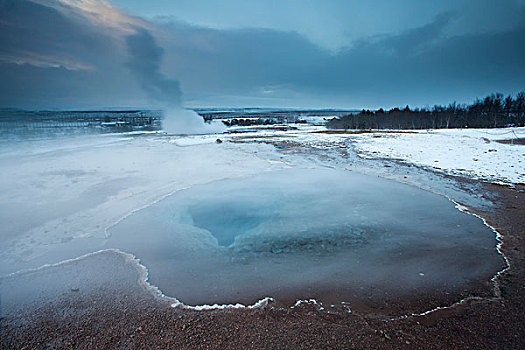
(469, 152)
(259, 304)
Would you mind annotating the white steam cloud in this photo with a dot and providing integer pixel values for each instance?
(144, 63)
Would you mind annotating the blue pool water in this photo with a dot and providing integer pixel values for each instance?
(302, 233)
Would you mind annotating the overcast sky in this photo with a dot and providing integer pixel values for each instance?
(286, 53)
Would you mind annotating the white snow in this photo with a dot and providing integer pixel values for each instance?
(258, 305)
(55, 191)
(308, 302)
(470, 152)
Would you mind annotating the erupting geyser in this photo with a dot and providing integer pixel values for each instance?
(144, 63)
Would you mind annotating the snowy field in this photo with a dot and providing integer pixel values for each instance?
(53, 191)
(57, 190)
(474, 153)
(65, 197)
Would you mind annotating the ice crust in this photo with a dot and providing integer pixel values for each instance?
(95, 184)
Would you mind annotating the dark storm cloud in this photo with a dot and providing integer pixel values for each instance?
(224, 59)
(418, 66)
(30, 86)
(145, 64)
(54, 54)
(422, 66)
(42, 35)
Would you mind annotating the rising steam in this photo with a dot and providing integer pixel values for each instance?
(144, 63)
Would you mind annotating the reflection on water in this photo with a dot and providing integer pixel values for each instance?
(295, 233)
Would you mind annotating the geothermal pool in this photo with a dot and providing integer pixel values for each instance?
(302, 233)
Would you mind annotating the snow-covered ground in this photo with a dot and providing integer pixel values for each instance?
(470, 152)
(58, 190)
(68, 197)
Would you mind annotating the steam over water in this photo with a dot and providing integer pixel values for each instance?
(302, 233)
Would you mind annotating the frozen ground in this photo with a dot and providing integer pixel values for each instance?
(470, 152)
(61, 198)
(56, 190)
(53, 192)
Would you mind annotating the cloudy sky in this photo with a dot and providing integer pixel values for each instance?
(286, 53)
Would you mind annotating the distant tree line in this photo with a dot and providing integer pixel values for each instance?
(494, 111)
(248, 121)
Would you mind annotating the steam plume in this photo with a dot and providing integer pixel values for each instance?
(144, 63)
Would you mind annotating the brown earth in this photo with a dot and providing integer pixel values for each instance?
(355, 132)
(520, 141)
